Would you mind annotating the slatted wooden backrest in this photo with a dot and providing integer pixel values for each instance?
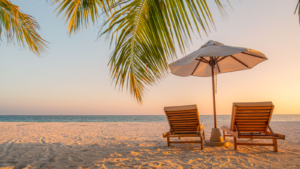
(183, 118)
(251, 116)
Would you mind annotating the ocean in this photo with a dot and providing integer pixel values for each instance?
(128, 118)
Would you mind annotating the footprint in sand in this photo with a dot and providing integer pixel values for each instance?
(155, 164)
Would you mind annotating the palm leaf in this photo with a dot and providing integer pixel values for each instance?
(15, 25)
(78, 13)
(145, 33)
(297, 7)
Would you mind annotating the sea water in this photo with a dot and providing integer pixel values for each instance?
(129, 118)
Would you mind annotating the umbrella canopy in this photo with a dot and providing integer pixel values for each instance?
(224, 59)
(215, 58)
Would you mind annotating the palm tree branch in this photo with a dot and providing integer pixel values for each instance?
(78, 13)
(20, 27)
(144, 32)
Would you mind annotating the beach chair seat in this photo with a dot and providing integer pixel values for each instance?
(251, 120)
(184, 121)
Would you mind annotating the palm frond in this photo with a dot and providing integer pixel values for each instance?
(15, 25)
(146, 33)
(78, 13)
(297, 7)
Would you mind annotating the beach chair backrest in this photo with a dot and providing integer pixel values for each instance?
(183, 118)
(251, 116)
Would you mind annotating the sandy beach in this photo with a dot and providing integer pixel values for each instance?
(133, 145)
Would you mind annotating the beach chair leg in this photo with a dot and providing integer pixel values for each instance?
(203, 135)
(168, 140)
(223, 134)
(179, 137)
(201, 140)
(275, 146)
(251, 134)
(202, 143)
(234, 143)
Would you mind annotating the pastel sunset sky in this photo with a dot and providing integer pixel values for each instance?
(73, 77)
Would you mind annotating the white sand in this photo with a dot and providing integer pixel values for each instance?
(133, 145)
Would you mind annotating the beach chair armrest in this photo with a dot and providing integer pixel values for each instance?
(276, 135)
(281, 136)
(234, 134)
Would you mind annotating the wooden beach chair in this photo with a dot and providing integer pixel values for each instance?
(251, 120)
(184, 121)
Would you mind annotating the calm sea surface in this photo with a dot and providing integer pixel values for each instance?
(162, 118)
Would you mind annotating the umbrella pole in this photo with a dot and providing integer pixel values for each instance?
(214, 93)
(216, 138)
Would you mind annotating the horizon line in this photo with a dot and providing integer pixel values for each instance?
(126, 115)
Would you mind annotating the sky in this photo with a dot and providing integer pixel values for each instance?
(73, 77)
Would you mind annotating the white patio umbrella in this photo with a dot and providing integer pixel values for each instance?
(214, 58)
